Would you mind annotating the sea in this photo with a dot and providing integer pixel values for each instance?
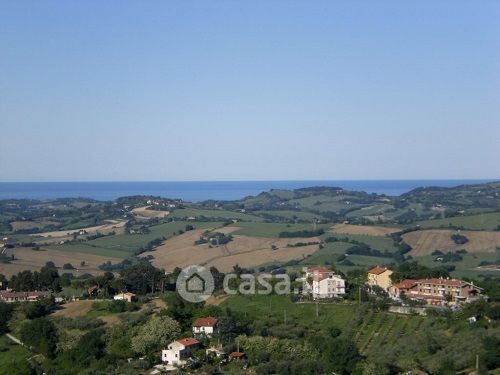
(196, 191)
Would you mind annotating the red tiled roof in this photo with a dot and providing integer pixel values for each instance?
(436, 281)
(378, 270)
(406, 284)
(188, 341)
(236, 355)
(209, 321)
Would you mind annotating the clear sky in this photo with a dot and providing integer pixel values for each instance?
(242, 90)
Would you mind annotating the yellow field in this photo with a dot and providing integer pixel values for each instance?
(368, 230)
(112, 225)
(147, 213)
(28, 259)
(180, 251)
(424, 242)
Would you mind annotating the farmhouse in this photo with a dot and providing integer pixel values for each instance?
(125, 296)
(323, 283)
(380, 276)
(206, 326)
(436, 290)
(178, 351)
(10, 297)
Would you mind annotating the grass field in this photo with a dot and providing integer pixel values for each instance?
(329, 253)
(246, 251)
(289, 214)
(376, 242)
(123, 245)
(485, 221)
(271, 308)
(13, 359)
(327, 203)
(424, 242)
(197, 212)
(272, 229)
(369, 230)
(466, 267)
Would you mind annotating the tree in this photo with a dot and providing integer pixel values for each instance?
(341, 355)
(41, 335)
(155, 335)
(5, 314)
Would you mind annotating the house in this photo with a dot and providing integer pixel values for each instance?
(323, 283)
(11, 297)
(380, 276)
(178, 351)
(125, 296)
(205, 326)
(436, 290)
(236, 355)
(216, 352)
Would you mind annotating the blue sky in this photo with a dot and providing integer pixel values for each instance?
(233, 90)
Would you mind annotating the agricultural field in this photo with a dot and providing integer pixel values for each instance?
(381, 329)
(146, 212)
(329, 253)
(483, 221)
(369, 230)
(216, 214)
(290, 214)
(270, 308)
(246, 251)
(424, 242)
(470, 266)
(325, 203)
(272, 229)
(124, 245)
(28, 259)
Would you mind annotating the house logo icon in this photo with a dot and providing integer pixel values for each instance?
(195, 284)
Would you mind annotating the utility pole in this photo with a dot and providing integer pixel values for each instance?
(317, 309)
(477, 363)
(359, 296)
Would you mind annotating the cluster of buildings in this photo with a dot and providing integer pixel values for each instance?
(323, 283)
(177, 352)
(434, 291)
(10, 296)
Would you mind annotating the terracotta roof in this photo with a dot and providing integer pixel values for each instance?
(378, 270)
(188, 341)
(209, 321)
(23, 294)
(406, 284)
(236, 355)
(436, 281)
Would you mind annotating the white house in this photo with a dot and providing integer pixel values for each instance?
(125, 296)
(178, 351)
(323, 283)
(205, 326)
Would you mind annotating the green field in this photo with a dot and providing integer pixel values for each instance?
(123, 245)
(467, 266)
(289, 214)
(327, 203)
(485, 221)
(197, 212)
(13, 358)
(381, 243)
(271, 308)
(272, 229)
(381, 329)
(329, 253)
